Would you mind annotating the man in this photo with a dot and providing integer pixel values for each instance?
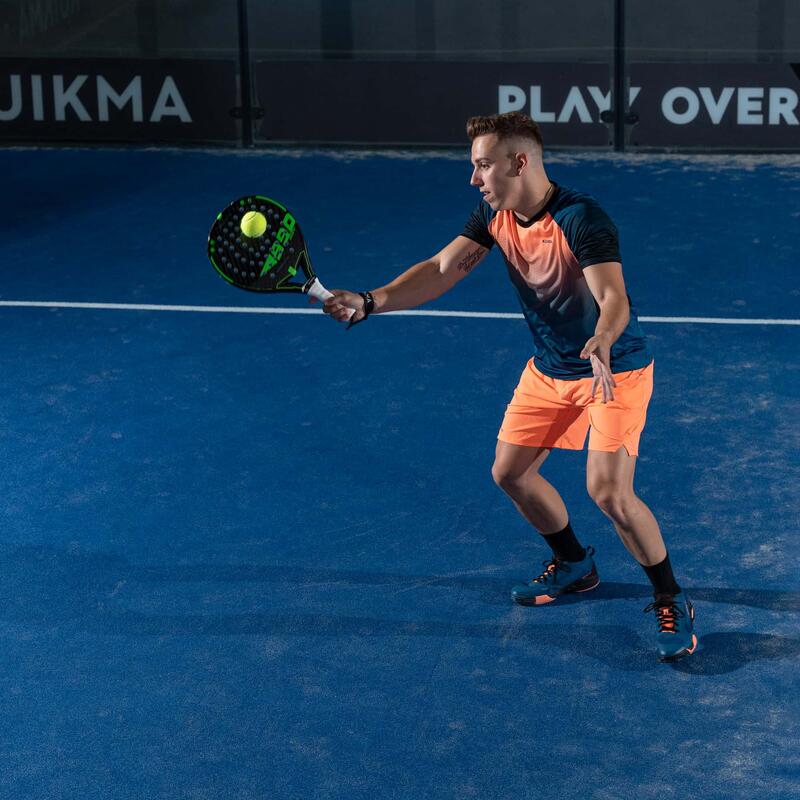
(591, 370)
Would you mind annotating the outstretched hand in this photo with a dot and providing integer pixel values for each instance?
(340, 305)
(598, 351)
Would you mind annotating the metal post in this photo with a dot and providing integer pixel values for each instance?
(244, 76)
(336, 29)
(147, 27)
(620, 99)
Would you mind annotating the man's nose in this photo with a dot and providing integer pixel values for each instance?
(474, 180)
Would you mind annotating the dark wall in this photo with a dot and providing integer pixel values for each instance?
(405, 72)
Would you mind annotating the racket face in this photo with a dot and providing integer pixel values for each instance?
(266, 263)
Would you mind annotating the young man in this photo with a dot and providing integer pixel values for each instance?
(591, 370)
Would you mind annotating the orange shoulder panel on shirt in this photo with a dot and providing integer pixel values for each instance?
(540, 253)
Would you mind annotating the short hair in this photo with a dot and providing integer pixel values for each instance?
(506, 126)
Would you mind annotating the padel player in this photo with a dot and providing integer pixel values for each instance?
(591, 369)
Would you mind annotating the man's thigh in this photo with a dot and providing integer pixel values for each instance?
(514, 460)
(620, 422)
(540, 416)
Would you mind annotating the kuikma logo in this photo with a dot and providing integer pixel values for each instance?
(679, 105)
(51, 98)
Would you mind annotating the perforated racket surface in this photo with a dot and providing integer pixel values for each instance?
(267, 263)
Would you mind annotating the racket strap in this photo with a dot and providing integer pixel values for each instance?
(369, 305)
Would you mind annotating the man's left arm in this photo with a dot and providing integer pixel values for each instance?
(607, 286)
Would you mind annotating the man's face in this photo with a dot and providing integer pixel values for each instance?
(494, 171)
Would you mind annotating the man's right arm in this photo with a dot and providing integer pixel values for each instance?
(419, 284)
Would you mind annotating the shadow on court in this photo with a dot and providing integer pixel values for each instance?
(48, 587)
(726, 652)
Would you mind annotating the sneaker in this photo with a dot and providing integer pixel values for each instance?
(675, 617)
(559, 577)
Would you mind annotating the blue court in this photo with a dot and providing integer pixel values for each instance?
(254, 555)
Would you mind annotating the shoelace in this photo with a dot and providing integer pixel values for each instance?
(667, 614)
(550, 569)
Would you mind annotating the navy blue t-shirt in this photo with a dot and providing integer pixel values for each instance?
(545, 257)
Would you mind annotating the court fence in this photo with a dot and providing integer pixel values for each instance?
(716, 76)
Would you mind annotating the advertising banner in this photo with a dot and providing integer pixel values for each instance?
(733, 106)
(428, 102)
(117, 100)
(730, 106)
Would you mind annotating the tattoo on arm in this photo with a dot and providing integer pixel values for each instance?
(470, 260)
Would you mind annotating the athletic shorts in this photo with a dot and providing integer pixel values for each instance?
(551, 412)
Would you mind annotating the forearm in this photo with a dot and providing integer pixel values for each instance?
(420, 284)
(614, 317)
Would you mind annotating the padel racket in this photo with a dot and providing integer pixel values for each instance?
(256, 244)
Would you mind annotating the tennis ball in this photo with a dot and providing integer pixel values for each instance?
(253, 224)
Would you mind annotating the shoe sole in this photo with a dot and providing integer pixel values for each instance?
(543, 599)
(687, 651)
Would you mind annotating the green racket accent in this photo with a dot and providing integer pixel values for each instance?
(266, 263)
(282, 240)
(270, 200)
(216, 267)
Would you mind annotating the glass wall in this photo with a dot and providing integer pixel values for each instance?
(413, 71)
(744, 31)
(118, 28)
(110, 71)
(710, 75)
(433, 30)
(714, 75)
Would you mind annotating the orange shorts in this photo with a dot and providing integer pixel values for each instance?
(550, 412)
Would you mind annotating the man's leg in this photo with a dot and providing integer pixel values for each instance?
(516, 472)
(609, 481)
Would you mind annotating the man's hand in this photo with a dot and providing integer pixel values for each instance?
(340, 304)
(598, 351)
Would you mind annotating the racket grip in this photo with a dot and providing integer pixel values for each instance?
(319, 292)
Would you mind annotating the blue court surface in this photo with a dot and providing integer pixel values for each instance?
(254, 555)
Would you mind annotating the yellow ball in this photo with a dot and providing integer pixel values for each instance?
(253, 224)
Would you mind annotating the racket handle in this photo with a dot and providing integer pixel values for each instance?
(319, 292)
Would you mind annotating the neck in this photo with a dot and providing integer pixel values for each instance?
(536, 199)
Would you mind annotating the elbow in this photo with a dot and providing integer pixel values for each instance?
(623, 316)
(616, 312)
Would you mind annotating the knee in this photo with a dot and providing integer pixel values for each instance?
(508, 481)
(614, 501)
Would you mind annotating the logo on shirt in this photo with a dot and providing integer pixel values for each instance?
(547, 241)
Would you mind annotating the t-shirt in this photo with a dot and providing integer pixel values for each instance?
(545, 258)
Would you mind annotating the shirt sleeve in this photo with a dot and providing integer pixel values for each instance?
(596, 238)
(477, 227)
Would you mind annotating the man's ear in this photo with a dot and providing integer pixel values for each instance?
(520, 162)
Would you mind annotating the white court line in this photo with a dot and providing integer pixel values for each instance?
(426, 313)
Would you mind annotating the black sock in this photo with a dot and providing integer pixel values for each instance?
(564, 545)
(664, 584)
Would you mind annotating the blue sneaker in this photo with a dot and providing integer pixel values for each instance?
(559, 577)
(675, 617)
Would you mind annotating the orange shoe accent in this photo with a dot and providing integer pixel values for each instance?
(588, 588)
(544, 598)
(667, 620)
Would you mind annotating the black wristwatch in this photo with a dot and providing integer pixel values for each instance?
(369, 305)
